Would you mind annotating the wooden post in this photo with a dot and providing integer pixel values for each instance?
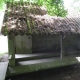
(61, 46)
(11, 50)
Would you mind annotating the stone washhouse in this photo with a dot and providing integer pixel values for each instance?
(38, 41)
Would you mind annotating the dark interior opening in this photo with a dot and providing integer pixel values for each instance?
(72, 44)
(46, 44)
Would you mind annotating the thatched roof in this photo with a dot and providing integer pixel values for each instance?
(32, 19)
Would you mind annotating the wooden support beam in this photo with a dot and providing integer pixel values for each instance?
(61, 46)
(11, 50)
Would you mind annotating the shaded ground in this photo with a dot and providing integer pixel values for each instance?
(63, 73)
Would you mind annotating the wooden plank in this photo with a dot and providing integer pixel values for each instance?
(36, 54)
(61, 45)
(3, 69)
(11, 49)
(72, 55)
(41, 66)
(29, 62)
(23, 57)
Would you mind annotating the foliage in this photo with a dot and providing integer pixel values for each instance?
(54, 7)
(1, 4)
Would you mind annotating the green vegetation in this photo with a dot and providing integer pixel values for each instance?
(1, 4)
(54, 7)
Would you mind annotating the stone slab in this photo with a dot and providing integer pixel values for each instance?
(3, 69)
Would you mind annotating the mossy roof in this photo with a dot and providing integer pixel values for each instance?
(29, 18)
